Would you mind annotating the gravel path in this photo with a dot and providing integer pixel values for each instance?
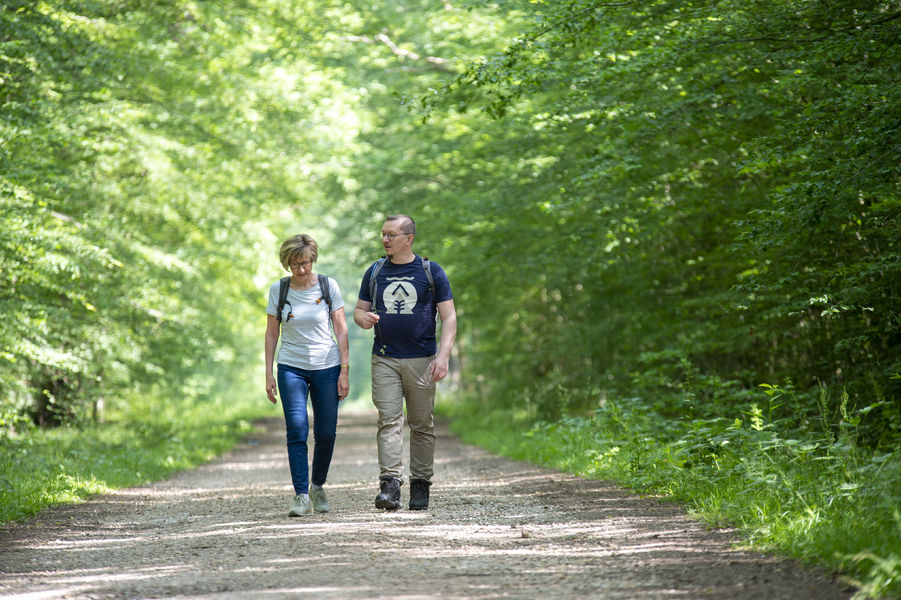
(497, 529)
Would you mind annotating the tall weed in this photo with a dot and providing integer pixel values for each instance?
(790, 483)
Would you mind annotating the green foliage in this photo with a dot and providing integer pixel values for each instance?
(135, 181)
(44, 467)
(661, 200)
(626, 189)
(808, 490)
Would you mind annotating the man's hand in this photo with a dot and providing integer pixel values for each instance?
(365, 319)
(438, 368)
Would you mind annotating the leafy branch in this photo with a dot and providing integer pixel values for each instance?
(435, 62)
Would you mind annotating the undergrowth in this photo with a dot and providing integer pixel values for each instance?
(146, 442)
(803, 487)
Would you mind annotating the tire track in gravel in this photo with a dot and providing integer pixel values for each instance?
(496, 529)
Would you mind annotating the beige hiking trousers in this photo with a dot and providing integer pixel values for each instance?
(395, 380)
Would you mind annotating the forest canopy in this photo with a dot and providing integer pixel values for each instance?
(668, 200)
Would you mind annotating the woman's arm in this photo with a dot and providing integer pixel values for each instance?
(339, 323)
(272, 331)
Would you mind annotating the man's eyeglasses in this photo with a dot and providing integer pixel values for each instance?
(390, 236)
(296, 265)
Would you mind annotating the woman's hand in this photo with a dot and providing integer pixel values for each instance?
(271, 388)
(343, 385)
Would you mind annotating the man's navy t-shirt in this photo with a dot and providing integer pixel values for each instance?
(406, 307)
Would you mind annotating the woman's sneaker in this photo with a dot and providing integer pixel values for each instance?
(302, 506)
(317, 495)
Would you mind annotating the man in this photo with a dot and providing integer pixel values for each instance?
(401, 304)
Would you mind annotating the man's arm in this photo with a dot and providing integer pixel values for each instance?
(448, 314)
(363, 317)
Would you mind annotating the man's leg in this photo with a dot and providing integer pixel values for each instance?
(388, 398)
(419, 390)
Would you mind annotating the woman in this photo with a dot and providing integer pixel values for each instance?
(310, 362)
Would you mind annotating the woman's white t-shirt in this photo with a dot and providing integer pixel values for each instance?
(306, 337)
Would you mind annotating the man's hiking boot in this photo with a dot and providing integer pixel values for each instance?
(319, 499)
(419, 494)
(302, 506)
(389, 494)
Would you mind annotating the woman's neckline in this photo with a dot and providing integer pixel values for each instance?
(313, 283)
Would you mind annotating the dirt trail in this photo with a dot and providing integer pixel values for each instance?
(496, 529)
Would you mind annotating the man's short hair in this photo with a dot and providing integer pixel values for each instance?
(407, 224)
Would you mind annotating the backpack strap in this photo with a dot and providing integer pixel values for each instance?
(326, 292)
(285, 282)
(427, 265)
(376, 267)
(283, 285)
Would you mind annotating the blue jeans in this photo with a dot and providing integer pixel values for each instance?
(294, 385)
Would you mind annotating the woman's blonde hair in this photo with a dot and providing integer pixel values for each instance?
(300, 246)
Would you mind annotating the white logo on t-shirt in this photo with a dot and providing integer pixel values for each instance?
(399, 296)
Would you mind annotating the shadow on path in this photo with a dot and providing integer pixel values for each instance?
(496, 529)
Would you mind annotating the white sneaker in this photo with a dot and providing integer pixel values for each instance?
(320, 502)
(302, 506)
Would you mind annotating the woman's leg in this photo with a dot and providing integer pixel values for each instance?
(324, 398)
(293, 389)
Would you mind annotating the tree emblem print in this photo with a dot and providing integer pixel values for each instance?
(399, 296)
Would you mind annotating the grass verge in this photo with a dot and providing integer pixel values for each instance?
(816, 497)
(40, 468)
